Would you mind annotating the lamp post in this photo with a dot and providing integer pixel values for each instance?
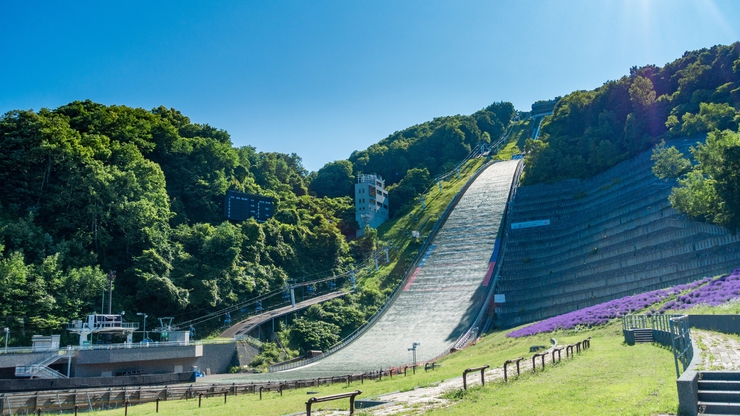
(111, 278)
(413, 349)
(144, 315)
(7, 334)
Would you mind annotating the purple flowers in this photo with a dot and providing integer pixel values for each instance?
(716, 292)
(705, 291)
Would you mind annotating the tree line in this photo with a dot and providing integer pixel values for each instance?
(590, 131)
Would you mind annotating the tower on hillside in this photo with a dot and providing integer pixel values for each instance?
(371, 201)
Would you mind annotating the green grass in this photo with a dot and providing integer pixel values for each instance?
(730, 308)
(509, 150)
(610, 378)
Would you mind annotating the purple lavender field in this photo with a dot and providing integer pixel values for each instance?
(707, 291)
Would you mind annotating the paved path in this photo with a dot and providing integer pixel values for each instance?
(722, 353)
(246, 326)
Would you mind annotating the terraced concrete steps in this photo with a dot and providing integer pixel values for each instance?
(719, 393)
(643, 335)
(609, 236)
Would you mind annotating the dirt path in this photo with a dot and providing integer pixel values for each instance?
(422, 399)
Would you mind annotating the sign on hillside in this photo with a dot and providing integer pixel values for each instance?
(240, 206)
(529, 224)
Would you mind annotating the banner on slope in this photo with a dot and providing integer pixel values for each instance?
(491, 263)
(529, 224)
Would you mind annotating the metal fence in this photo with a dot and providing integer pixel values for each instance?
(683, 352)
(669, 330)
(100, 399)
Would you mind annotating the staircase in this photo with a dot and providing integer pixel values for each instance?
(643, 335)
(719, 393)
(40, 369)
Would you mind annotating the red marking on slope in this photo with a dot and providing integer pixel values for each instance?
(487, 279)
(411, 280)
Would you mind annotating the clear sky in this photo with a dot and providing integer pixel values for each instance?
(324, 78)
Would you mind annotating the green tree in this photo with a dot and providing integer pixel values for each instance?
(669, 163)
(334, 179)
(314, 335)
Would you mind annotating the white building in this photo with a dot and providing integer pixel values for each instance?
(371, 201)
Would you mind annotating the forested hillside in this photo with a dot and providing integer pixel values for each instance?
(409, 160)
(591, 131)
(88, 188)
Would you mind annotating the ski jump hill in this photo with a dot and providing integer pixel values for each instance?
(441, 298)
(606, 237)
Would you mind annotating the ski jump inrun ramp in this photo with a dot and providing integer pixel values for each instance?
(444, 294)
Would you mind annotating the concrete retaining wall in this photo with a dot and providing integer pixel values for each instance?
(610, 236)
(217, 358)
(729, 324)
(93, 382)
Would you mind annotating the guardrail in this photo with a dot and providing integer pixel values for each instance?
(350, 395)
(482, 370)
(669, 330)
(409, 271)
(155, 344)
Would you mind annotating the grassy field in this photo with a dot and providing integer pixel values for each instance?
(610, 378)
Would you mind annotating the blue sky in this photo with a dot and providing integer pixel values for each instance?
(324, 78)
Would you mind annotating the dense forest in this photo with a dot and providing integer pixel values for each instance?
(409, 160)
(590, 131)
(88, 188)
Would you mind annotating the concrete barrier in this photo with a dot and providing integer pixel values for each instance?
(18, 385)
(610, 236)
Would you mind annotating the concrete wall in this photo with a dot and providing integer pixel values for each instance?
(729, 324)
(217, 358)
(610, 236)
(92, 382)
(151, 360)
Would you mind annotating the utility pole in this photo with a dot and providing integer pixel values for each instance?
(7, 335)
(111, 277)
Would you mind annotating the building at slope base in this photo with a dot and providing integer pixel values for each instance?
(371, 201)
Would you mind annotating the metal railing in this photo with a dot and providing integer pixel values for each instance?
(103, 325)
(683, 352)
(99, 399)
(409, 271)
(38, 371)
(668, 327)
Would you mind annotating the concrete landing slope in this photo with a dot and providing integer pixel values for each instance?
(443, 295)
(609, 236)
